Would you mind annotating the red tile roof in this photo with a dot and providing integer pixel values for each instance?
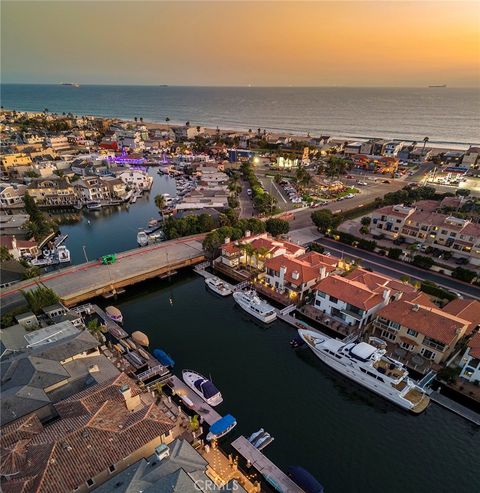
(350, 291)
(474, 345)
(431, 322)
(95, 431)
(6, 241)
(375, 281)
(466, 309)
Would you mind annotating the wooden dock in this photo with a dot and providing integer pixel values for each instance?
(273, 474)
(456, 408)
(205, 411)
(79, 283)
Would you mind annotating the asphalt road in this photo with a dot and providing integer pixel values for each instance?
(246, 203)
(397, 269)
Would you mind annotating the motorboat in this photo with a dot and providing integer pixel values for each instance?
(203, 387)
(221, 427)
(370, 367)
(113, 313)
(218, 286)
(255, 435)
(163, 357)
(251, 303)
(142, 238)
(63, 254)
(94, 206)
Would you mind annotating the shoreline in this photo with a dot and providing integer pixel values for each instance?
(278, 133)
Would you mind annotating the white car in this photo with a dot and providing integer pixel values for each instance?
(362, 183)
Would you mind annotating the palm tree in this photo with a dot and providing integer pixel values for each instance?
(160, 202)
(425, 140)
(136, 119)
(95, 329)
(141, 119)
(167, 119)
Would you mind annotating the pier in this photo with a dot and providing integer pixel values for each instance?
(273, 474)
(455, 407)
(79, 283)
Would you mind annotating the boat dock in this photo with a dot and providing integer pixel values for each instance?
(455, 407)
(201, 270)
(273, 474)
(78, 283)
(205, 411)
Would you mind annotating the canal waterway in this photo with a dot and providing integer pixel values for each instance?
(351, 440)
(113, 229)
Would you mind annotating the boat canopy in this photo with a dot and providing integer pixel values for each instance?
(113, 311)
(362, 351)
(304, 479)
(140, 338)
(163, 357)
(206, 387)
(223, 424)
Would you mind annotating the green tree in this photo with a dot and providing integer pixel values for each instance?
(4, 254)
(39, 298)
(324, 220)
(463, 192)
(276, 226)
(463, 274)
(95, 329)
(366, 220)
(423, 262)
(212, 242)
(395, 253)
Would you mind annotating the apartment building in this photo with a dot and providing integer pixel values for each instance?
(425, 330)
(430, 228)
(59, 143)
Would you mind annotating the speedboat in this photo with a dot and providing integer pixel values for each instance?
(203, 387)
(218, 286)
(251, 303)
(94, 206)
(142, 238)
(63, 254)
(221, 427)
(163, 357)
(370, 367)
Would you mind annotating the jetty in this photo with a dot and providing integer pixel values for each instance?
(455, 407)
(204, 410)
(273, 474)
(79, 283)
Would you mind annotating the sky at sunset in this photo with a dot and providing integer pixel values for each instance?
(240, 43)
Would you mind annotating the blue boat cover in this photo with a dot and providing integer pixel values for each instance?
(222, 424)
(163, 357)
(304, 479)
(206, 387)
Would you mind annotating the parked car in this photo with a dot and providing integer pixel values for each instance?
(461, 261)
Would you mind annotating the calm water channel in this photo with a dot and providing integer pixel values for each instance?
(351, 440)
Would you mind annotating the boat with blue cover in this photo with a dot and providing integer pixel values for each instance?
(221, 427)
(203, 387)
(304, 479)
(163, 357)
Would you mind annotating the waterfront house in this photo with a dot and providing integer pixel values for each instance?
(117, 188)
(59, 143)
(261, 247)
(392, 148)
(293, 276)
(349, 301)
(98, 433)
(470, 362)
(53, 191)
(136, 179)
(19, 248)
(471, 157)
(46, 365)
(466, 309)
(352, 148)
(14, 224)
(421, 330)
(92, 189)
(11, 194)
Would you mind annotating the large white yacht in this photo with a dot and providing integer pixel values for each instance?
(218, 286)
(369, 366)
(254, 305)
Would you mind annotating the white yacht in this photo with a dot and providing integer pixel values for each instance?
(203, 387)
(254, 305)
(369, 366)
(218, 286)
(142, 238)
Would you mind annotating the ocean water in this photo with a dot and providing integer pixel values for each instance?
(445, 115)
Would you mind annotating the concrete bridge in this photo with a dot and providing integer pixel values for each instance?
(79, 283)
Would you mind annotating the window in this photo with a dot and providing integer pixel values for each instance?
(112, 468)
(412, 332)
(394, 325)
(333, 299)
(406, 346)
(320, 294)
(388, 335)
(90, 482)
(426, 353)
